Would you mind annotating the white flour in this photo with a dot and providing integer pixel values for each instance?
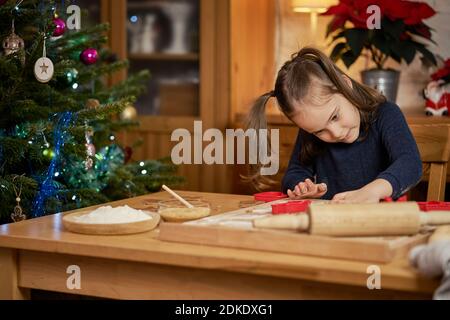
(110, 215)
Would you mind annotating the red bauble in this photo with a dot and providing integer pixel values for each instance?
(60, 27)
(89, 56)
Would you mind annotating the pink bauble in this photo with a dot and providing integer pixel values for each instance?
(89, 56)
(60, 27)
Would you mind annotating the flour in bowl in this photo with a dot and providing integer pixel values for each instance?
(110, 215)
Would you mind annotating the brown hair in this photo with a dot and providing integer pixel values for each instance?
(293, 83)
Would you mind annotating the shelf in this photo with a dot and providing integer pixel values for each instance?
(164, 56)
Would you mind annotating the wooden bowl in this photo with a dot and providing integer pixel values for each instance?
(110, 228)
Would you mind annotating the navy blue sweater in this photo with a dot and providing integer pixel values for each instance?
(388, 152)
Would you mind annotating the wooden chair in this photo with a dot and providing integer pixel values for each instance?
(434, 147)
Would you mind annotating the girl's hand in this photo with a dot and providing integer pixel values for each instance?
(356, 196)
(370, 193)
(307, 190)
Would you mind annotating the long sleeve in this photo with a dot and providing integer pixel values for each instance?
(295, 172)
(405, 170)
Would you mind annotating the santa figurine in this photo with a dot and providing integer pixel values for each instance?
(437, 92)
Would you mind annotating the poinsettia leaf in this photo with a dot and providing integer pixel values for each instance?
(348, 58)
(380, 42)
(355, 39)
(396, 57)
(339, 35)
(393, 28)
(337, 50)
(425, 52)
(407, 51)
(421, 33)
(396, 51)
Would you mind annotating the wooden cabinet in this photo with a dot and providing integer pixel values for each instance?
(229, 62)
(163, 37)
(190, 81)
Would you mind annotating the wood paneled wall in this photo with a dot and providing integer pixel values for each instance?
(252, 51)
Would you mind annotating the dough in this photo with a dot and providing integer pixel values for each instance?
(183, 214)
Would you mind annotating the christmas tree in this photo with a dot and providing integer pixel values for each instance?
(59, 118)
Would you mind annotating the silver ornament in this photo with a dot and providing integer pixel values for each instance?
(13, 44)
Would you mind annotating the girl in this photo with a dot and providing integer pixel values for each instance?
(353, 146)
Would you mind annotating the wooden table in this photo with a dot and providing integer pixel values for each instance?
(35, 254)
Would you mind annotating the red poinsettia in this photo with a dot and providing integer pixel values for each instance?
(355, 11)
(400, 20)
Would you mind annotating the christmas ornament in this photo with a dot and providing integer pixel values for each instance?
(90, 149)
(43, 68)
(67, 79)
(14, 44)
(437, 92)
(92, 104)
(89, 56)
(60, 27)
(129, 113)
(437, 95)
(48, 153)
(71, 76)
(17, 215)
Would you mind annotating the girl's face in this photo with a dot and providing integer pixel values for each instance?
(333, 121)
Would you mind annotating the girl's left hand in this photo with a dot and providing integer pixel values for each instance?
(370, 193)
(356, 196)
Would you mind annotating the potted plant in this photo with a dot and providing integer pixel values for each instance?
(399, 35)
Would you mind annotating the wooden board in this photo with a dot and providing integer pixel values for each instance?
(109, 229)
(235, 229)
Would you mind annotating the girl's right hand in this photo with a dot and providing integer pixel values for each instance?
(307, 190)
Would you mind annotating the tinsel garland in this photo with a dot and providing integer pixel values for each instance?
(47, 188)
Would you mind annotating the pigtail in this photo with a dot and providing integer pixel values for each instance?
(257, 120)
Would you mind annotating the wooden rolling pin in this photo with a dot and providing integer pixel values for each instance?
(381, 219)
